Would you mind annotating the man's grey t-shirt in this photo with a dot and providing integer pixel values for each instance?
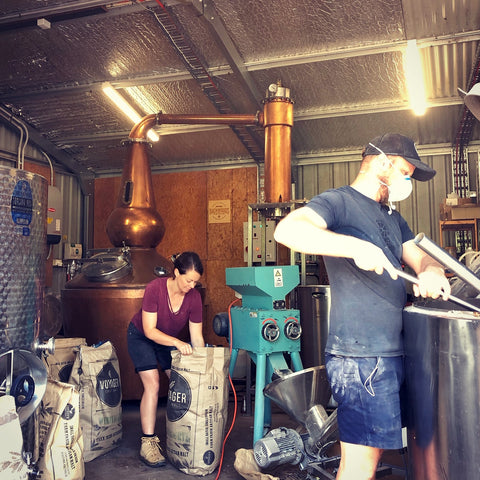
(366, 308)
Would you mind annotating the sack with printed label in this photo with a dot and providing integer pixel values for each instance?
(60, 437)
(12, 464)
(197, 409)
(59, 364)
(96, 373)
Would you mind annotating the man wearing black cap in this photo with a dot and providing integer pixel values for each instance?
(364, 240)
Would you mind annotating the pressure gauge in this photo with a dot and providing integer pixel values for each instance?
(272, 88)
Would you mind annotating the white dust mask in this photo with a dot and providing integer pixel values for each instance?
(400, 189)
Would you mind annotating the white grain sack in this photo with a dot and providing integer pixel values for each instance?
(197, 409)
(96, 373)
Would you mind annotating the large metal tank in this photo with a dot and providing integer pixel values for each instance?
(23, 225)
(442, 365)
(23, 214)
(314, 305)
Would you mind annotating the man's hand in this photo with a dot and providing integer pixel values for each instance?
(370, 257)
(432, 283)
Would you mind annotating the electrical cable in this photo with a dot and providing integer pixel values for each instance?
(233, 389)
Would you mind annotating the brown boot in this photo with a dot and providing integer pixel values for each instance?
(151, 452)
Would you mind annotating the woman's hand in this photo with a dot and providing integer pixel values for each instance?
(183, 348)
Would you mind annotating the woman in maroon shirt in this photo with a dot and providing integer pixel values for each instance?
(168, 304)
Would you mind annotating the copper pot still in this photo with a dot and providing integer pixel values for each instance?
(99, 302)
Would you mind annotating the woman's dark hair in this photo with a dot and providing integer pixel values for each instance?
(188, 261)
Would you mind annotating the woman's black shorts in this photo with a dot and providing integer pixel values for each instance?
(145, 353)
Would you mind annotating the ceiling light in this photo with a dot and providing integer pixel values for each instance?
(414, 78)
(43, 23)
(127, 109)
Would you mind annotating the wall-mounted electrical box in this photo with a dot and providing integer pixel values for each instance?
(54, 215)
(270, 245)
(72, 251)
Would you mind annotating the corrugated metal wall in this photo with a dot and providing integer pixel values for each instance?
(421, 210)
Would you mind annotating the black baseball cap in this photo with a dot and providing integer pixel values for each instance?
(396, 144)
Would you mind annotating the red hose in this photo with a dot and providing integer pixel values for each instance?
(233, 389)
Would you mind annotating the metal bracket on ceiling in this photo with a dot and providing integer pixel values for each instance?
(206, 8)
(187, 52)
(223, 39)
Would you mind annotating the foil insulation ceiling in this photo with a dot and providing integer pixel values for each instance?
(343, 63)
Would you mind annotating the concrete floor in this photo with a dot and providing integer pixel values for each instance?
(123, 462)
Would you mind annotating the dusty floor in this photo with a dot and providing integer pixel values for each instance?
(123, 462)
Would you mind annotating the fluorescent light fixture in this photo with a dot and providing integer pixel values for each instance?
(142, 99)
(43, 23)
(414, 78)
(127, 109)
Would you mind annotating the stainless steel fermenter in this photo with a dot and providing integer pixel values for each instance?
(442, 355)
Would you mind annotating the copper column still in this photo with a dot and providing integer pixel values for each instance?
(101, 307)
(278, 123)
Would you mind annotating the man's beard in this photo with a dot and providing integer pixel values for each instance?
(383, 191)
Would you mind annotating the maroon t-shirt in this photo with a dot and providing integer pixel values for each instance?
(155, 299)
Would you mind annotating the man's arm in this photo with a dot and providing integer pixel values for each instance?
(304, 230)
(431, 274)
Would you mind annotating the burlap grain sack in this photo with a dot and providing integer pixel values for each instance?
(247, 467)
(59, 364)
(60, 438)
(12, 465)
(197, 409)
(97, 374)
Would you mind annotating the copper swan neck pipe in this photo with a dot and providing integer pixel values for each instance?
(139, 131)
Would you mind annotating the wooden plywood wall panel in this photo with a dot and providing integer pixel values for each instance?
(181, 200)
(225, 240)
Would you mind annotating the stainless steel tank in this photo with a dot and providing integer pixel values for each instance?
(23, 226)
(314, 305)
(442, 368)
(23, 216)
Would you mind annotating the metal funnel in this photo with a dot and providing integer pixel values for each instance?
(298, 393)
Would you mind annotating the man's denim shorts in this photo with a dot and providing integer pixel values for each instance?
(367, 390)
(145, 353)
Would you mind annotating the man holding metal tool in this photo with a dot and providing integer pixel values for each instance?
(365, 241)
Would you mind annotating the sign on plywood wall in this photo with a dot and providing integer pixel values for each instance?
(219, 211)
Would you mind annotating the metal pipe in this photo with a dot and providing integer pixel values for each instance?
(447, 261)
(23, 132)
(139, 131)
